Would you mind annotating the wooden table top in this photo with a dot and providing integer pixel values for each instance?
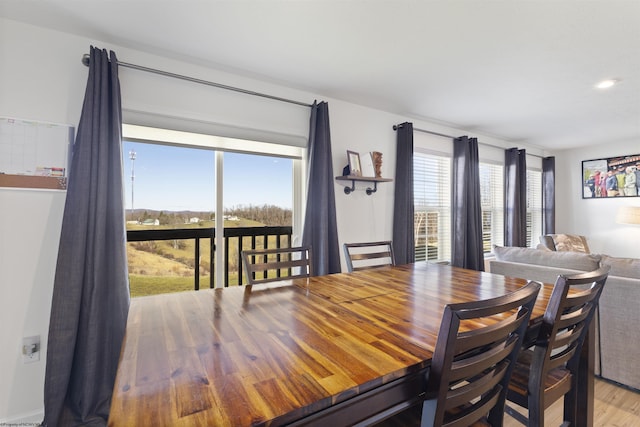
(274, 353)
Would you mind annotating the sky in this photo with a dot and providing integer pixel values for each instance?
(174, 178)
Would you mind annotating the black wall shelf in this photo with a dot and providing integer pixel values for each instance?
(353, 179)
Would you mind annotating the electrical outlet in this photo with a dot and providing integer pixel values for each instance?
(31, 349)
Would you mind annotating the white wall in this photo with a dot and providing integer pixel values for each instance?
(30, 221)
(42, 78)
(594, 218)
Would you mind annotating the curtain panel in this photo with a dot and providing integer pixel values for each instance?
(515, 197)
(91, 290)
(549, 195)
(466, 212)
(403, 209)
(320, 229)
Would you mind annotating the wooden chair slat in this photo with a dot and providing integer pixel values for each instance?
(359, 255)
(268, 265)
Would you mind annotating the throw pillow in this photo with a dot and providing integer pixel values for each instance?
(546, 240)
(566, 242)
(623, 267)
(569, 260)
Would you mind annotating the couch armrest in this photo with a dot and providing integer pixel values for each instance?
(619, 333)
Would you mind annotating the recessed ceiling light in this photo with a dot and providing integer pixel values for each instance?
(605, 84)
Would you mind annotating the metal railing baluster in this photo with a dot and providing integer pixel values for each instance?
(277, 232)
(196, 264)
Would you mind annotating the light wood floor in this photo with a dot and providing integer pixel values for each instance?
(614, 407)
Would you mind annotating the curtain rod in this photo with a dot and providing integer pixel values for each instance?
(395, 127)
(85, 61)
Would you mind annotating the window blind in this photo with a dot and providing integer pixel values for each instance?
(534, 206)
(432, 206)
(492, 204)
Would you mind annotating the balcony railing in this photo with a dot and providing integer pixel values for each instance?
(236, 239)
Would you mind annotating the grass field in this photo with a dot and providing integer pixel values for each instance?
(153, 285)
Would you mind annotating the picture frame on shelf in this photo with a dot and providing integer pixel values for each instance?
(366, 161)
(355, 169)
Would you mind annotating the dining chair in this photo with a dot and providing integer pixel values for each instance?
(268, 265)
(361, 256)
(548, 370)
(474, 355)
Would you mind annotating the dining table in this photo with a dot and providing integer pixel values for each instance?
(332, 350)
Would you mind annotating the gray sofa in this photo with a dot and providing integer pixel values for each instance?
(618, 323)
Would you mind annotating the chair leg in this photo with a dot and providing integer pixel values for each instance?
(571, 406)
(536, 412)
(428, 413)
(516, 415)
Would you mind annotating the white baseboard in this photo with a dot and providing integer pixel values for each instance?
(29, 419)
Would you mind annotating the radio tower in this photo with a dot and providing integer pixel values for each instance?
(132, 156)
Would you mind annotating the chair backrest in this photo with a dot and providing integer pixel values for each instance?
(361, 256)
(565, 324)
(474, 356)
(268, 265)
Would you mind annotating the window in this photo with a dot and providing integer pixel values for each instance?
(534, 206)
(492, 204)
(178, 180)
(432, 206)
(432, 198)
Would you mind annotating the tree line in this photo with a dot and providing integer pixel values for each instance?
(266, 214)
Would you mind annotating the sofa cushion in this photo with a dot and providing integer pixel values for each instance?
(622, 267)
(570, 260)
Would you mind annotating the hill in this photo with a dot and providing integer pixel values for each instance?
(169, 266)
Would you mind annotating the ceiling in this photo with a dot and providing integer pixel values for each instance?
(519, 70)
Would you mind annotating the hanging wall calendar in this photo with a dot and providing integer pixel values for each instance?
(34, 154)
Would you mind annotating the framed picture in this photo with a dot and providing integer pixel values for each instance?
(611, 177)
(354, 163)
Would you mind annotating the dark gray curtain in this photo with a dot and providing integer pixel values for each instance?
(466, 216)
(91, 288)
(548, 195)
(320, 226)
(403, 237)
(515, 197)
